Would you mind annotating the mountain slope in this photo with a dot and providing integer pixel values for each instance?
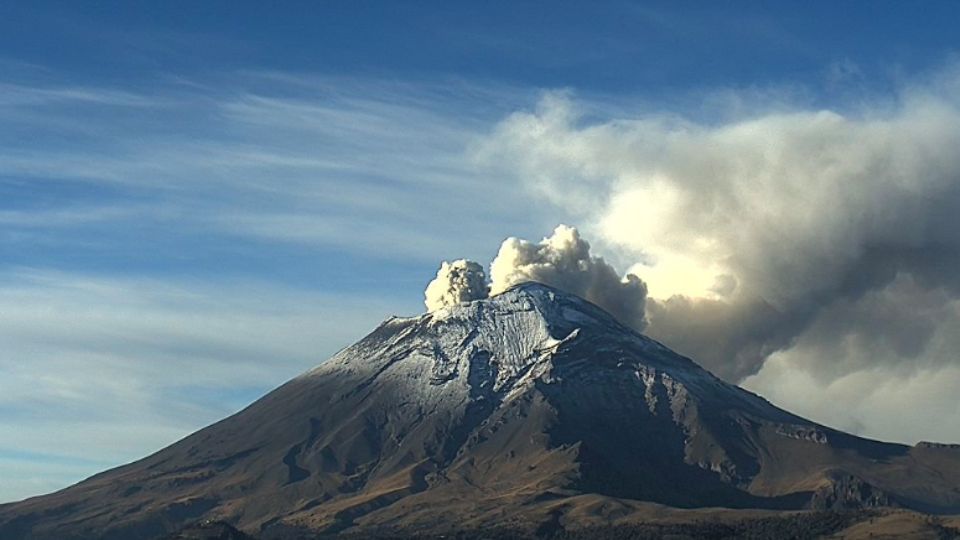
(474, 411)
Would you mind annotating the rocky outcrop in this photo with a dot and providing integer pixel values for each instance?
(848, 492)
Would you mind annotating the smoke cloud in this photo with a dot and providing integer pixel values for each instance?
(456, 282)
(786, 245)
(563, 260)
(748, 230)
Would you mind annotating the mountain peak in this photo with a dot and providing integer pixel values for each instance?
(515, 335)
(561, 312)
(501, 404)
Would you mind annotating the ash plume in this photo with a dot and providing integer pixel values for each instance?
(563, 260)
(456, 282)
(781, 244)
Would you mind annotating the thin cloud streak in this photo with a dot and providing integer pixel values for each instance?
(136, 218)
(114, 368)
(301, 157)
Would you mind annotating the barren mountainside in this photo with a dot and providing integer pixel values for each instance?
(474, 415)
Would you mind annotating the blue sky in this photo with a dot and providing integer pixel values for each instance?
(201, 200)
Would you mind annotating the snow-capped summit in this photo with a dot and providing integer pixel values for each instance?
(476, 415)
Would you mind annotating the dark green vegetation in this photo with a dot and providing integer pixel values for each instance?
(793, 526)
(210, 530)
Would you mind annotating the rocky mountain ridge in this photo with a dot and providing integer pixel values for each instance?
(470, 416)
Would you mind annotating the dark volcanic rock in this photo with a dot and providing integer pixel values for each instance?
(846, 492)
(210, 530)
(938, 446)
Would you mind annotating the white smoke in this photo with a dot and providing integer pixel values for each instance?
(563, 260)
(781, 246)
(456, 282)
(747, 230)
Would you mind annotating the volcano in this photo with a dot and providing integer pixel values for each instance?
(478, 415)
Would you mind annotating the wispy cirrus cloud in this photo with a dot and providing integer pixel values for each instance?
(175, 251)
(296, 163)
(99, 370)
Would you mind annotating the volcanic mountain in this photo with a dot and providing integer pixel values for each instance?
(471, 416)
